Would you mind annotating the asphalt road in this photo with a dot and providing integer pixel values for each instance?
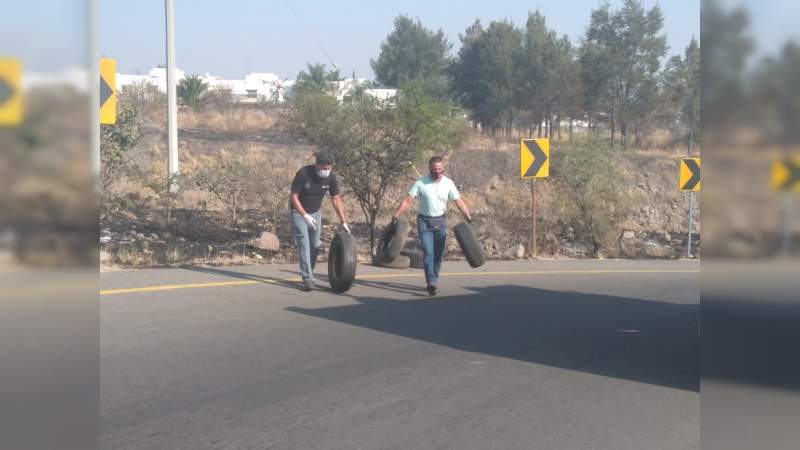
(515, 355)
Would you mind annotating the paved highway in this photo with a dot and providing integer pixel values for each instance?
(536, 354)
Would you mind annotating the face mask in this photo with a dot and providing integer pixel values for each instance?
(324, 173)
(436, 175)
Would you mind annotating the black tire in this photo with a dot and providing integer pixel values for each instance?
(415, 257)
(342, 262)
(393, 240)
(401, 262)
(470, 246)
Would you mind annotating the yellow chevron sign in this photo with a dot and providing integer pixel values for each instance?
(108, 94)
(786, 174)
(10, 91)
(534, 158)
(689, 178)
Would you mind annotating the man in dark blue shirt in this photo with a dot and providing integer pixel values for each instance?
(309, 187)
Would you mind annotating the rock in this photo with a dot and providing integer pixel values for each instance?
(268, 241)
(490, 246)
(154, 237)
(256, 256)
(515, 252)
(627, 234)
(105, 239)
(493, 183)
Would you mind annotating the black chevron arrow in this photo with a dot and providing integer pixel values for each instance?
(5, 91)
(794, 175)
(690, 184)
(105, 91)
(539, 157)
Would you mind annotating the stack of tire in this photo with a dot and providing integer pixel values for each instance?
(391, 254)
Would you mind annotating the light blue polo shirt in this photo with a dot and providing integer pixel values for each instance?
(434, 195)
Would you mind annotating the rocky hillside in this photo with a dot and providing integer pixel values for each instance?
(135, 231)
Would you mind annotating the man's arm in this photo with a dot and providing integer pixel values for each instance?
(296, 203)
(402, 206)
(337, 206)
(463, 208)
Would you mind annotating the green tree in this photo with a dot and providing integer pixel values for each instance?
(547, 76)
(373, 144)
(596, 76)
(778, 94)
(594, 194)
(413, 53)
(115, 141)
(484, 74)
(682, 88)
(531, 71)
(192, 91)
(225, 178)
(727, 48)
(318, 78)
(630, 46)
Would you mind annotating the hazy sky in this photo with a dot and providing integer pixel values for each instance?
(771, 23)
(235, 37)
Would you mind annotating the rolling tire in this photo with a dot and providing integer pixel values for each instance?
(401, 262)
(470, 246)
(415, 257)
(342, 262)
(393, 240)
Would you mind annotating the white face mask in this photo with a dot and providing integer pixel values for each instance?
(324, 173)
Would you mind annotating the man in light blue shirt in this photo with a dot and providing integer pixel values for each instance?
(434, 191)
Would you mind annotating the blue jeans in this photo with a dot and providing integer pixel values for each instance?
(432, 249)
(307, 241)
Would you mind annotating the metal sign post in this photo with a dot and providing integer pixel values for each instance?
(786, 180)
(533, 218)
(689, 181)
(786, 246)
(691, 224)
(534, 162)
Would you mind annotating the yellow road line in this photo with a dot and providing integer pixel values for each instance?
(169, 287)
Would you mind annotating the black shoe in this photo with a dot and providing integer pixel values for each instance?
(431, 290)
(307, 285)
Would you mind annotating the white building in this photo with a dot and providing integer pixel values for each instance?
(157, 77)
(256, 87)
(383, 95)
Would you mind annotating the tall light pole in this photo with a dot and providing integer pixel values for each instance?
(172, 103)
(94, 90)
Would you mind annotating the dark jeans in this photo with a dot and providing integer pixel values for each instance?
(432, 247)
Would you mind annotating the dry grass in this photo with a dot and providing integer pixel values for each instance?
(233, 121)
(481, 162)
